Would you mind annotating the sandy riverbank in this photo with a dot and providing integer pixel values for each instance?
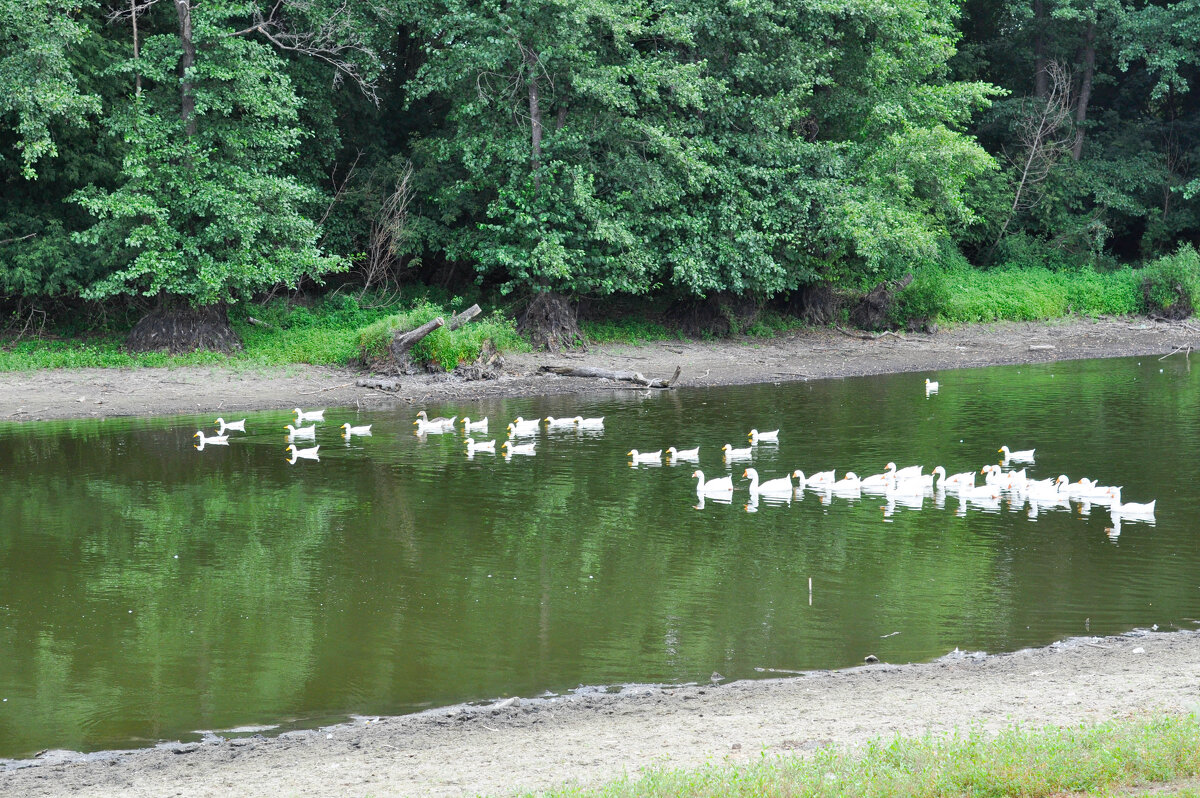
(802, 355)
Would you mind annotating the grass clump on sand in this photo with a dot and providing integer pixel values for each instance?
(1045, 762)
(445, 347)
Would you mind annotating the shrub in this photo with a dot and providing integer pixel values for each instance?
(1171, 284)
(445, 347)
(925, 298)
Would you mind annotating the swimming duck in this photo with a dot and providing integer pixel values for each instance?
(764, 437)
(820, 479)
(312, 415)
(516, 448)
(348, 430)
(1130, 509)
(737, 454)
(426, 425)
(481, 446)
(474, 426)
(929, 481)
(1023, 456)
(302, 454)
(520, 426)
(686, 454)
(216, 440)
(931, 386)
(1056, 491)
(645, 457)
(558, 423)
(232, 426)
(589, 423)
(303, 432)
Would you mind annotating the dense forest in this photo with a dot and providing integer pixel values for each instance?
(162, 155)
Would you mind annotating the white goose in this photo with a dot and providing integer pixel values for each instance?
(470, 426)
(931, 386)
(303, 432)
(589, 423)
(216, 440)
(764, 437)
(1131, 508)
(232, 426)
(929, 481)
(978, 493)
(516, 448)
(302, 454)
(645, 457)
(559, 423)
(965, 478)
(348, 430)
(821, 480)
(1055, 492)
(481, 446)
(876, 483)
(1087, 489)
(424, 418)
(1023, 456)
(685, 454)
(520, 426)
(732, 454)
(772, 487)
(712, 487)
(908, 472)
(311, 415)
(433, 426)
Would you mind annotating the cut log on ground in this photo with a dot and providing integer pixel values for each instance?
(618, 376)
(377, 384)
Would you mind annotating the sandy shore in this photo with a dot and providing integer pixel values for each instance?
(594, 736)
(802, 355)
(597, 736)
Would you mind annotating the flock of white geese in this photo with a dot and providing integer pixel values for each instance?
(907, 486)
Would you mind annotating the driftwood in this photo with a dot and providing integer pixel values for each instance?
(868, 336)
(1041, 347)
(381, 385)
(404, 341)
(618, 376)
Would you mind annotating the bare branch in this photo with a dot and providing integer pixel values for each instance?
(15, 240)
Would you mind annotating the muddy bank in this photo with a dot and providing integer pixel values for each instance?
(801, 355)
(594, 736)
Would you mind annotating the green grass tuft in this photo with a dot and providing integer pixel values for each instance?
(1018, 761)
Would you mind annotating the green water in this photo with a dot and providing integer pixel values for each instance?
(150, 591)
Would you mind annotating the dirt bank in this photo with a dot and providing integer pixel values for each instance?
(597, 736)
(802, 355)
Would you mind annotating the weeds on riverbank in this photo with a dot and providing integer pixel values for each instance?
(328, 332)
(1018, 761)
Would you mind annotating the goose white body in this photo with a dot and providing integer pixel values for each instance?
(931, 386)
(772, 487)
(713, 487)
(1023, 456)
(348, 430)
(909, 472)
(821, 479)
(474, 426)
(559, 423)
(685, 454)
(1055, 492)
(876, 483)
(764, 437)
(224, 426)
(978, 493)
(645, 457)
(928, 481)
(589, 423)
(1131, 508)
(481, 446)
(965, 478)
(302, 454)
(303, 432)
(311, 415)
(737, 454)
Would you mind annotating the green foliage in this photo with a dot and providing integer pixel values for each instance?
(1171, 284)
(447, 348)
(1108, 758)
(629, 330)
(204, 211)
(38, 87)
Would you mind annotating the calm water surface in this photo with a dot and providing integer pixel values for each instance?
(149, 591)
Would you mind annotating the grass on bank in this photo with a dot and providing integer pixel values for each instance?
(1104, 759)
(337, 330)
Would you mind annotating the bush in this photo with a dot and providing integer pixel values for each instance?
(445, 347)
(1171, 284)
(925, 298)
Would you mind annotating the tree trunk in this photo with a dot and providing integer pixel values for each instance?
(1085, 88)
(137, 77)
(187, 109)
(462, 318)
(535, 115)
(1041, 79)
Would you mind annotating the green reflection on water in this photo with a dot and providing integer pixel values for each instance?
(149, 590)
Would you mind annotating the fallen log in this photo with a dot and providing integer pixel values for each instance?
(377, 384)
(617, 376)
(462, 318)
(404, 341)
